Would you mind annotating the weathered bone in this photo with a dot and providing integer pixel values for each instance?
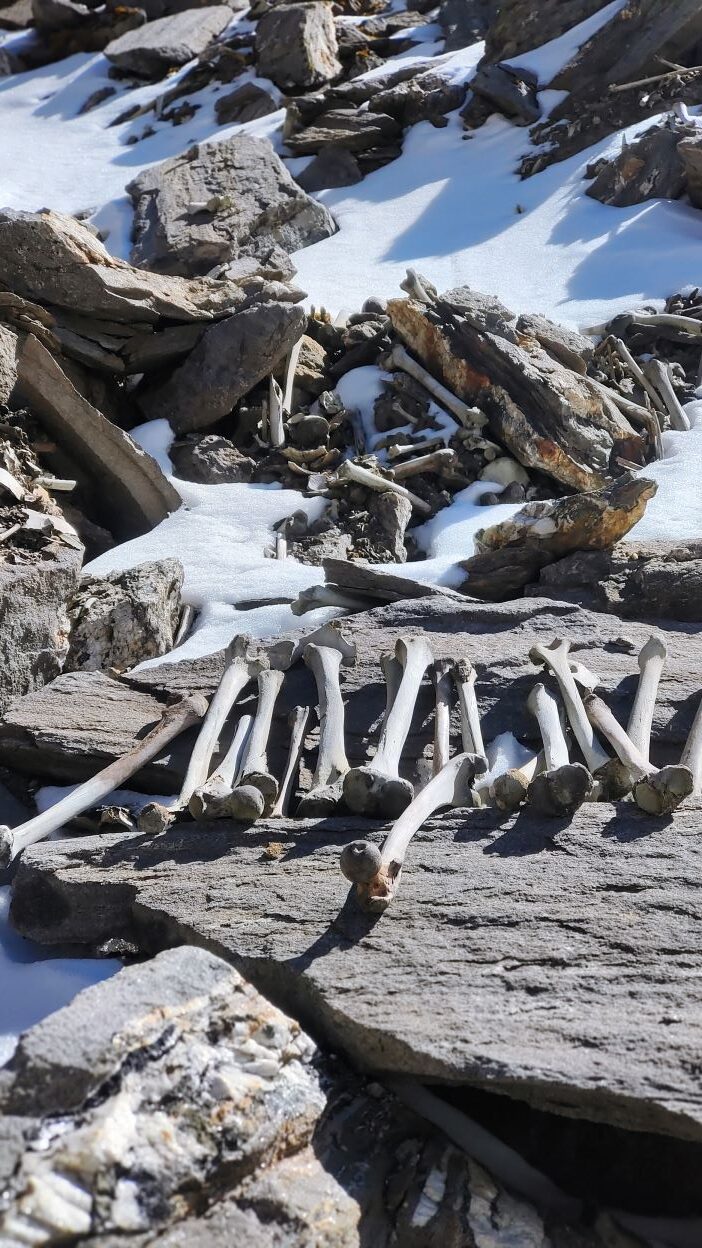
(692, 753)
(376, 789)
(435, 461)
(297, 721)
(637, 373)
(351, 471)
(651, 661)
(325, 596)
(332, 763)
(635, 412)
(281, 546)
(397, 451)
(441, 674)
(212, 800)
(377, 875)
(562, 786)
(468, 416)
(464, 675)
(555, 658)
(658, 792)
(290, 370)
(254, 771)
(659, 375)
(275, 413)
(509, 790)
(175, 720)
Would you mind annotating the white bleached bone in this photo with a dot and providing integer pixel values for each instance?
(275, 413)
(651, 661)
(376, 789)
(555, 658)
(692, 753)
(376, 873)
(211, 801)
(290, 370)
(297, 722)
(332, 763)
(635, 412)
(561, 786)
(509, 790)
(175, 720)
(659, 375)
(637, 373)
(468, 416)
(351, 471)
(441, 674)
(326, 596)
(435, 461)
(254, 771)
(464, 675)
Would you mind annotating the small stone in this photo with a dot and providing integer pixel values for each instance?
(211, 460)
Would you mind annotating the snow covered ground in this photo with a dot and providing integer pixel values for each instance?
(453, 207)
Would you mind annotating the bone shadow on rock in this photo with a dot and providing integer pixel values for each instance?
(628, 824)
(344, 932)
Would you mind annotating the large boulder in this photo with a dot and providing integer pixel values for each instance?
(653, 167)
(637, 580)
(169, 41)
(122, 619)
(34, 624)
(296, 45)
(220, 202)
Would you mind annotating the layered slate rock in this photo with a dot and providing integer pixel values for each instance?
(548, 416)
(296, 45)
(486, 969)
(124, 618)
(169, 41)
(9, 346)
(219, 202)
(637, 580)
(650, 168)
(519, 25)
(34, 623)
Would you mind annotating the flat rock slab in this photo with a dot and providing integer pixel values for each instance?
(175, 40)
(557, 964)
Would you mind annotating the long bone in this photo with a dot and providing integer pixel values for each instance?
(212, 800)
(692, 753)
(435, 461)
(332, 763)
(659, 375)
(376, 873)
(297, 721)
(376, 789)
(351, 471)
(555, 658)
(562, 786)
(175, 720)
(400, 358)
(254, 771)
(651, 660)
(240, 667)
(464, 675)
(441, 674)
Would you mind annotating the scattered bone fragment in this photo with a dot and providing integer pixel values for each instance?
(351, 471)
(659, 374)
(255, 772)
(561, 786)
(297, 722)
(377, 875)
(175, 720)
(325, 596)
(332, 763)
(464, 675)
(468, 416)
(212, 800)
(651, 661)
(435, 461)
(441, 674)
(376, 788)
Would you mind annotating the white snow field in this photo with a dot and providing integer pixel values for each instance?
(453, 207)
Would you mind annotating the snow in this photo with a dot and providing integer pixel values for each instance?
(676, 510)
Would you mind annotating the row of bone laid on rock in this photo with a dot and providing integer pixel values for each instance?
(176, 719)
(376, 872)
(212, 800)
(376, 788)
(332, 763)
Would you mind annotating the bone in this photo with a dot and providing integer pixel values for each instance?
(351, 471)
(441, 674)
(509, 791)
(211, 801)
(399, 452)
(658, 792)
(187, 617)
(332, 763)
(326, 596)
(297, 722)
(692, 754)
(254, 771)
(468, 416)
(281, 546)
(436, 461)
(637, 373)
(651, 661)
(555, 658)
(90, 794)
(561, 787)
(659, 375)
(290, 370)
(451, 787)
(376, 789)
(275, 413)
(464, 676)
(635, 412)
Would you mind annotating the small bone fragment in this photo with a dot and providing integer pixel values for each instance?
(175, 720)
(651, 661)
(351, 471)
(275, 413)
(555, 658)
(187, 616)
(211, 801)
(561, 787)
(441, 674)
(464, 675)
(332, 763)
(254, 772)
(660, 376)
(468, 416)
(297, 720)
(376, 788)
(451, 787)
(436, 461)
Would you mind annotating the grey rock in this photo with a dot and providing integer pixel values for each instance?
(34, 622)
(511, 91)
(464, 22)
(636, 580)
(9, 348)
(573, 350)
(653, 167)
(230, 358)
(169, 41)
(519, 25)
(58, 14)
(389, 516)
(122, 619)
(346, 128)
(245, 103)
(426, 97)
(689, 151)
(334, 166)
(296, 45)
(218, 202)
(502, 935)
(211, 460)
